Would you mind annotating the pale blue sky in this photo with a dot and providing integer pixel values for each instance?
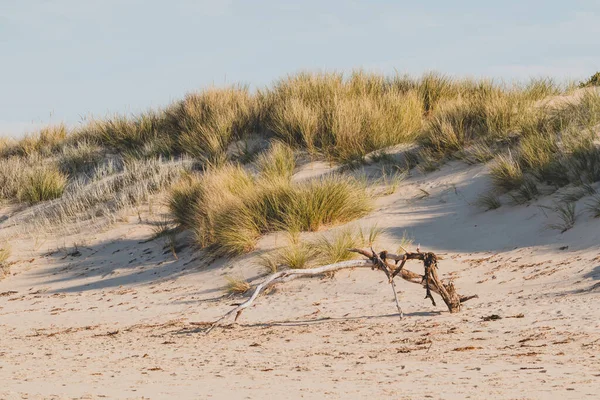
(65, 59)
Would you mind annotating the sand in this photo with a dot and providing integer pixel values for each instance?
(121, 318)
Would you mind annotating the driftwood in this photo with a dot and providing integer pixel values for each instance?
(429, 280)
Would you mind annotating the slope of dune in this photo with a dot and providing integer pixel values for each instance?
(109, 314)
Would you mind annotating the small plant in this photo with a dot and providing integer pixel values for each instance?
(506, 173)
(526, 192)
(237, 285)
(334, 249)
(566, 214)
(297, 256)
(4, 254)
(392, 181)
(41, 184)
(79, 158)
(593, 205)
(478, 153)
(269, 262)
(163, 227)
(578, 193)
(166, 228)
(368, 238)
(488, 201)
(278, 162)
(406, 241)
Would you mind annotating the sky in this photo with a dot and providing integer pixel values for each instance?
(67, 60)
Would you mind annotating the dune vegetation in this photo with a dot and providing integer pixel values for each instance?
(226, 156)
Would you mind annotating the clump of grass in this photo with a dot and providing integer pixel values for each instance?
(488, 201)
(538, 150)
(506, 173)
(526, 192)
(334, 248)
(584, 160)
(593, 80)
(144, 135)
(12, 171)
(406, 241)
(45, 142)
(269, 262)
(100, 197)
(229, 209)
(327, 249)
(368, 238)
(237, 285)
(325, 201)
(566, 214)
(577, 193)
(433, 88)
(166, 228)
(161, 228)
(278, 162)
(298, 255)
(593, 205)
(429, 160)
(4, 254)
(344, 119)
(81, 157)
(478, 153)
(210, 120)
(182, 199)
(392, 181)
(42, 184)
(540, 88)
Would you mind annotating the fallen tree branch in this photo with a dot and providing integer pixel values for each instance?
(430, 280)
(447, 292)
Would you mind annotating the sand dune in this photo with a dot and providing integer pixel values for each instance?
(118, 317)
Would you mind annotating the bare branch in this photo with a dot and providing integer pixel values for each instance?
(429, 281)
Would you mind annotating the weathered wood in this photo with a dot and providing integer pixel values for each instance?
(379, 260)
(289, 275)
(429, 281)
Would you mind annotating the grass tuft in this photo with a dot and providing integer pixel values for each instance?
(488, 201)
(526, 192)
(237, 285)
(278, 162)
(229, 210)
(593, 205)
(566, 214)
(4, 255)
(42, 184)
(506, 173)
(334, 248)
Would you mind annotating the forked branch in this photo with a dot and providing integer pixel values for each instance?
(429, 281)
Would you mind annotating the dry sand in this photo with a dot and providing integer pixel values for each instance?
(121, 319)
